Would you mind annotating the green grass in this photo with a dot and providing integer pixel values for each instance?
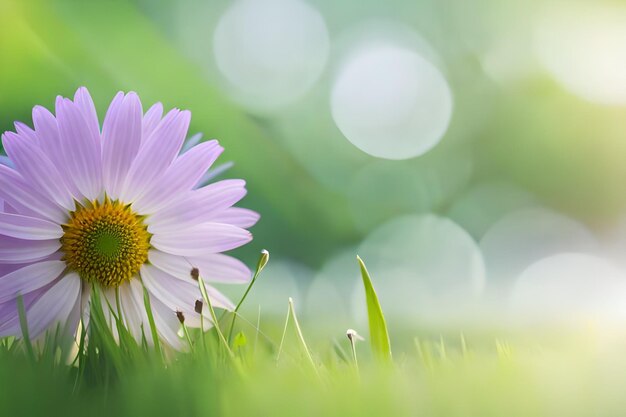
(272, 371)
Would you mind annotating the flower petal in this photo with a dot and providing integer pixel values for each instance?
(29, 278)
(134, 315)
(17, 251)
(213, 267)
(170, 290)
(9, 314)
(83, 101)
(29, 228)
(6, 268)
(191, 142)
(180, 177)
(237, 216)
(49, 141)
(108, 304)
(54, 306)
(85, 300)
(70, 324)
(178, 295)
(167, 324)
(197, 206)
(213, 173)
(79, 139)
(4, 160)
(18, 193)
(151, 120)
(202, 239)
(31, 162)
(165, 320)
(121, 138)
(156, 154)
(25, 132)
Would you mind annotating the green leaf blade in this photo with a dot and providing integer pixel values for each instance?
(379, 336)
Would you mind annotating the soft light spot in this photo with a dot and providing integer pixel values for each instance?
(584, 48)
(424, 268)
(570, 288)
(271, 52)
(525, 236)
(391, 102)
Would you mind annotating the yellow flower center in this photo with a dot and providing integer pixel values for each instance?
(105, 243)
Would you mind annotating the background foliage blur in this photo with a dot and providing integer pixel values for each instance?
(519, 106)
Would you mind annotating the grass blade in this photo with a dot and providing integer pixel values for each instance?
(282, 339)
(153, 328)
(379, 337)
(305, 348)
(24, 327)
(265, 257)
(216, 324)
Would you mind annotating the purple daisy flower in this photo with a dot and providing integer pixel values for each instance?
(120, 209)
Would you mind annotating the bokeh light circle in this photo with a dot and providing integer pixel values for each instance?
(570, 288)
(485, 203)
(583, 46)
(526, 236)
(390, 102)
(424, 268)
(329, 294)
(271, 52)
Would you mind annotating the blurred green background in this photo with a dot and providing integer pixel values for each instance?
(522, 103)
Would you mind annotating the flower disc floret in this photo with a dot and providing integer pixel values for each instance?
(105, 243)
